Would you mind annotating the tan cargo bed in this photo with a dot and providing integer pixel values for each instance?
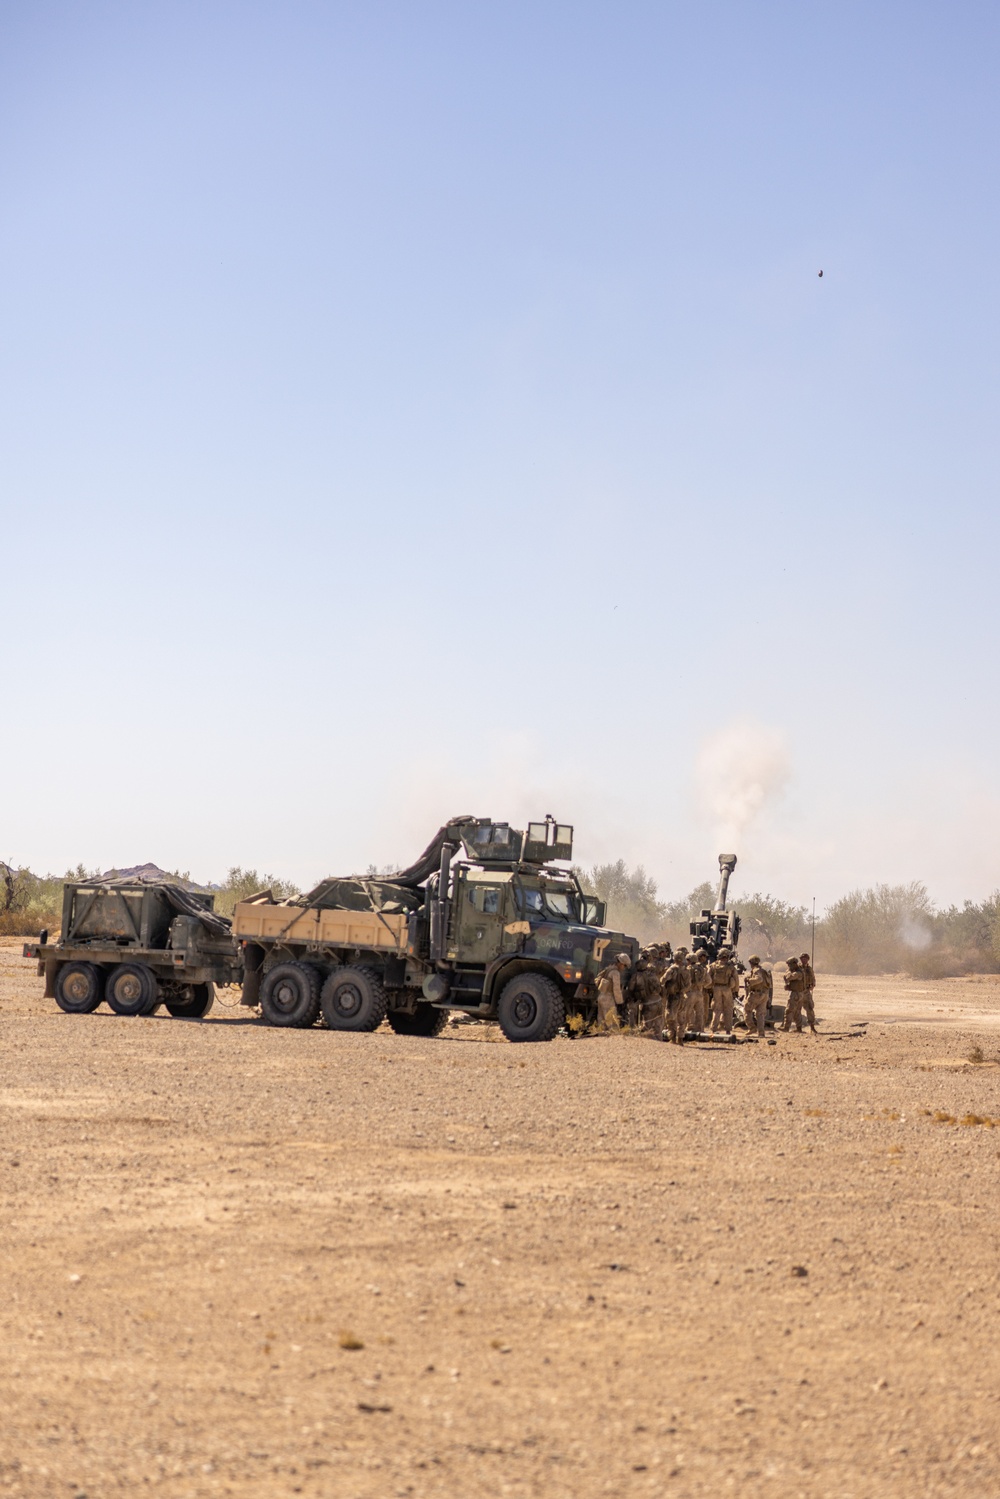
(253, 922)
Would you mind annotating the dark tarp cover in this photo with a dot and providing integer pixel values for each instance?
(356, 894)
(177, 895)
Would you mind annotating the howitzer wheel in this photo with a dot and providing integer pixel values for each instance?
(79, 988)
(289, 995)
(131, 989)
(427, 1020)
(353, 1000)
(531, 1008)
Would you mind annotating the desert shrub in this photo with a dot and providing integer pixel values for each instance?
(772, 928)
(239, 883)
(885, 929)
(631, 898)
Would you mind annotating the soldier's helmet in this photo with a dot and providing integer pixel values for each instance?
(754, 960)
(681, 952)
(624, 958)
(725, 951)
(804, 957)
(792, 962)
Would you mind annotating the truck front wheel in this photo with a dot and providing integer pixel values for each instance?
(79, 988)
(131, 989)
(531, 1008)
(289, 995)
(353, 1000)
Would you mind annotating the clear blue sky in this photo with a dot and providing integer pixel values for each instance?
(418, 408)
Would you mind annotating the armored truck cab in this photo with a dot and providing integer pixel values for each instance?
(137, 944)
(500, 933)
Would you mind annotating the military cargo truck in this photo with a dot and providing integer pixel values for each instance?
(485, 922)
(137, 944)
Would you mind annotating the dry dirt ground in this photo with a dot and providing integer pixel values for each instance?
(245, 1261)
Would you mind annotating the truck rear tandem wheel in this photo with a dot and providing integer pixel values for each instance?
(289, 995)
(353, 999)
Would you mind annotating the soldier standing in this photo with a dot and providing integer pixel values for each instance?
(609, 993)
(757, 990)
(676, 996)
(699, 988)
(725, 978)
(795, 983)
(809, 974)
(635, 990)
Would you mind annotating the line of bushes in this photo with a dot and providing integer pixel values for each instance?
(884, 929)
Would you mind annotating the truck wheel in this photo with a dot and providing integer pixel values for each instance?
(353, 1000)
(289, 995)
(131, 989)
(196, 1005)
(79, 988)
(531, 1008)
(426, 1021)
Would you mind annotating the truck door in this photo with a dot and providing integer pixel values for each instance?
(480, 920)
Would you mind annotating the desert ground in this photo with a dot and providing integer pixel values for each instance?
(244, 1261)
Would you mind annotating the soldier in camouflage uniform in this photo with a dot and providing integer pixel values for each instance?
(645, 993)
(676, 992)
(809, 974)
(635, 989)
(609, 993)
(757, 991)
(795, 983)
(701, 990)
(725, 978)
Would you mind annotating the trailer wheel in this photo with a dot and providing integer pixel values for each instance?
(196, 1003)
(427, 1020)
(79, 988)
(353, 1000)
(131, 989)
(289, 995)
(531, 1008)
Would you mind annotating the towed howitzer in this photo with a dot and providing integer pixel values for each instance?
(718, 928)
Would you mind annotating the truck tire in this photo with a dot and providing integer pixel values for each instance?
(79, 988)
(289, 995)
(427, 1020)
(531, 1008)
(353, 1000)
(197, 1006)
(131, 989)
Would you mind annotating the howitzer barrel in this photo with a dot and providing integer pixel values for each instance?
(727, 863)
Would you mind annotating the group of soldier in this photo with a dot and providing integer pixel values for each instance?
(671, 994)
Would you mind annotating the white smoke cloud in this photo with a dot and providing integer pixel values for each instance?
(914, 933)
(740, 770)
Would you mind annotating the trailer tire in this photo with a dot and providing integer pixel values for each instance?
(79, 988)
(353, 1000)
(427, 1020)
(289, 995)
(531, 1008)
(197, 1006)
(131, 989)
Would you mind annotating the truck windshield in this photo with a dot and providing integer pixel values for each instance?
(559, 903)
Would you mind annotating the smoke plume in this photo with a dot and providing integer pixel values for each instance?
(740, 770)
